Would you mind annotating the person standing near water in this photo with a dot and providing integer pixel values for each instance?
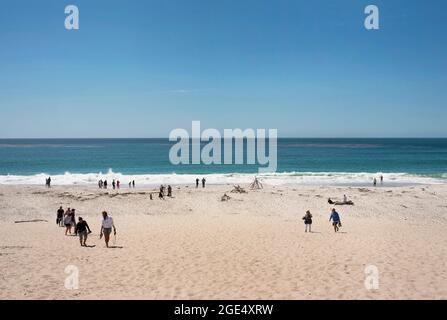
(133, 183)
(375, 182)
(197, 182)
(381, 179)
(336, 222)
(113, 184)
(106, 227)
(203, 183)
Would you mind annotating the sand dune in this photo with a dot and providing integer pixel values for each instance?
(253, 246)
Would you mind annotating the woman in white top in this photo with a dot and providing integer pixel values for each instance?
(106, 227)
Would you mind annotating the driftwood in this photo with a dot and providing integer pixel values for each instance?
(35, 220)
(341, 203)
(255, 185)
(225, 197)
(238, 189)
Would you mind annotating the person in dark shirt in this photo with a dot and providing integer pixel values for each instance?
(308, 221)
(197, 182)
(203, 183)
(169, 191)
(82, 230)
(60, 216)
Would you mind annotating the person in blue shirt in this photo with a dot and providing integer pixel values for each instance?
(336, 222)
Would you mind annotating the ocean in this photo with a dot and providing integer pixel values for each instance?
(300, 161)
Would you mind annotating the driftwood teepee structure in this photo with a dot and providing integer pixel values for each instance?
(256, 185)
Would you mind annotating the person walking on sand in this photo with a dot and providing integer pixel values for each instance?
(169, 191)
(336, 222)
(308, 221)
(59, 216)
(197, 182)
(73, 218)
(203, 183)
(67, 221)
(106, 227)
(81, 230)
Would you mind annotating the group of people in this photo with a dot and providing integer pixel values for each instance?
(334, 217)
(161, 193)
(116, 184)
(81, 228)
(375, 180)
(203, 182)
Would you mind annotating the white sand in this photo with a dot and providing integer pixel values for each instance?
(196, 247)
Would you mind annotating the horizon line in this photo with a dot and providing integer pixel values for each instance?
(285, 137)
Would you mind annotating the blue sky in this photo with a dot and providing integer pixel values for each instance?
(142, 68)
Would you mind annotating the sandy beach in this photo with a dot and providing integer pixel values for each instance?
(194, 246)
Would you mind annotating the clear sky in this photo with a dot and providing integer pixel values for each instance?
(142, 68)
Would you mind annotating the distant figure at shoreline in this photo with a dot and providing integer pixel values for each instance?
(130, 184)
(375, 182)
(81, 230)
(113, 184)
(197, 182)
(60, 216)
(335, 217)
(169, 191)
(48, 182)
(308, 221)
(203, 182)
(105, 184)
(106, 227)
(381, 179)
(133, 183)
(100, 184)
(118, 184)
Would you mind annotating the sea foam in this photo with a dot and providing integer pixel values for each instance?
(284, 178)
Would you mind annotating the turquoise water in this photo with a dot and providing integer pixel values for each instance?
(80, 161)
